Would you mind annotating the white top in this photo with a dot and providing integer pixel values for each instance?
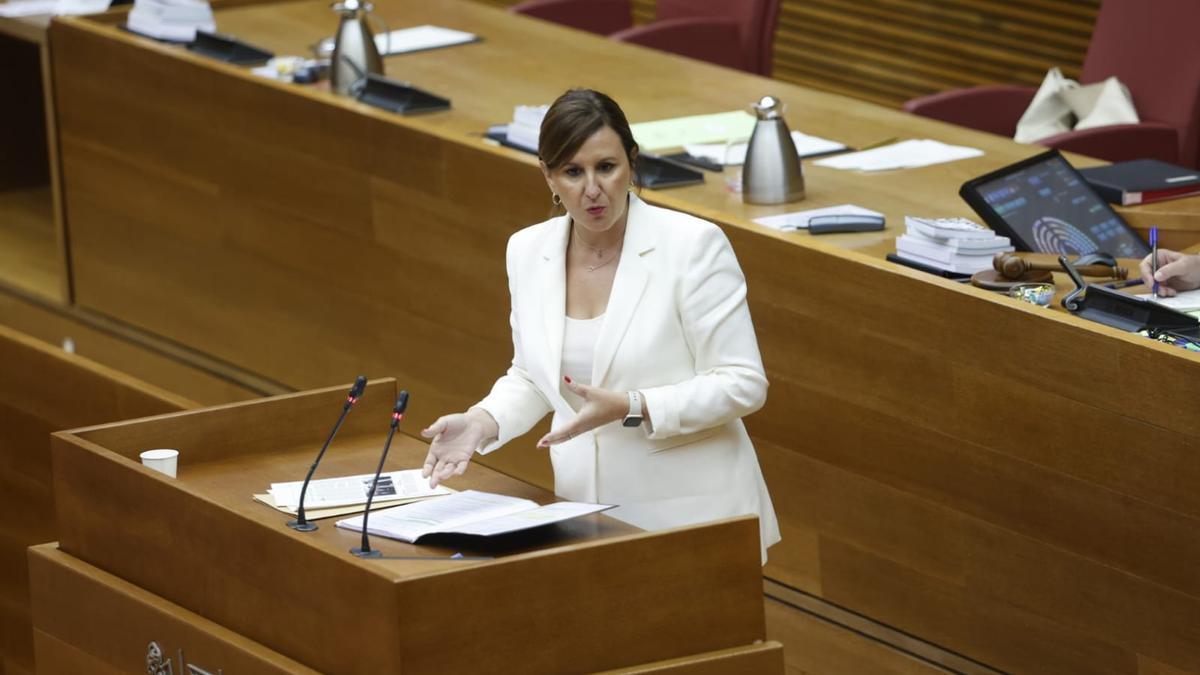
(578, 354)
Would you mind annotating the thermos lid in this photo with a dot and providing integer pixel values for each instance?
(768, 108)
(352, 6)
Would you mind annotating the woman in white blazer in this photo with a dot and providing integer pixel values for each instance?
(630, 325)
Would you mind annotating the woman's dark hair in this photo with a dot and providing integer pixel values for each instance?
(573, 118)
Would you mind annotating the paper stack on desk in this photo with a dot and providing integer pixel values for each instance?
(734, 154)
(14, 8)
(174, 20)
(951, 244)
(348, 494)
(526, 126)
(421, 38)
(902, 155)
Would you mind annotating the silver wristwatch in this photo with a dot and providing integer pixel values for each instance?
(636, 414)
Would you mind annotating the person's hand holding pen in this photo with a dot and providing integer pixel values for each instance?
(1176, 272)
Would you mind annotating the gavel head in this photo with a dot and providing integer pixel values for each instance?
(1010, 266)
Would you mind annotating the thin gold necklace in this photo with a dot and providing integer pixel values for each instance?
(599, 252)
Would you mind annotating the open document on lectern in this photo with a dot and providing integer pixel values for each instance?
(468, 512)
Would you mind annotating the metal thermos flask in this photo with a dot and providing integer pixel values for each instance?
(354, 51)
(772, 173)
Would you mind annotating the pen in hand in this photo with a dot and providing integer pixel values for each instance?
(1154, 259)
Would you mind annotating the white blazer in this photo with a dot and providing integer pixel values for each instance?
(678, 329)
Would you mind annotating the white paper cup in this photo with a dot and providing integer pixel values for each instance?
(162, 460)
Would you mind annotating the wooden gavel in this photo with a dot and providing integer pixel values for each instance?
(1012, 266)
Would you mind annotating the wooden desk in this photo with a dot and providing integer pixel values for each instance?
(1015, 484)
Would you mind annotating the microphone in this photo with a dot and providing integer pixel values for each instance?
(301, 523)
(364, 551)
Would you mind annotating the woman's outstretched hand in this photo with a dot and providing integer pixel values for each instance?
(600, 406)
(455, 438)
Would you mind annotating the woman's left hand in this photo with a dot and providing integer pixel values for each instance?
(600, 406)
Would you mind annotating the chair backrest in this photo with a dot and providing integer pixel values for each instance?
(756, 19)
(1153, 48)
(603, 17)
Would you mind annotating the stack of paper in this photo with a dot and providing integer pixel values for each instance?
(798, 220)
(734, 154)
(14, 8)
(679, 132)
(348, 494)
(951, 244)
(903, 155)
(523, 131)
(420, 38)
(175, 20)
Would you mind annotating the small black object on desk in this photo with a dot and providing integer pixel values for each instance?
(228, 49)
(657, 172)
(957, 276)
(399, 97)
(844, 223)
(1123, 311)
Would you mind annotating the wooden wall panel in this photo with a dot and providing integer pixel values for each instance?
(890, 51)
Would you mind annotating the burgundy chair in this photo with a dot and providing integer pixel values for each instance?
(734, 33)
(604, 17)
(1151, 47)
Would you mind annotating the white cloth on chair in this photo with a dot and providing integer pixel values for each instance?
(1062, 104)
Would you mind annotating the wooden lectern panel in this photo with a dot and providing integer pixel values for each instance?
(43, 389)
(551, 600)
(89, 621)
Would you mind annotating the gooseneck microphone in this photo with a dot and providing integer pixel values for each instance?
(365, 551)
(301, 523)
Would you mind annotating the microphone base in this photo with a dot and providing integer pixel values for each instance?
(367, 553)
(306, 526)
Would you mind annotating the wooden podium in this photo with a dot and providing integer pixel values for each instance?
(592, 594)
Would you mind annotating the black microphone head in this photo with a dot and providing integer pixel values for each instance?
(360, 385)
(401, 402)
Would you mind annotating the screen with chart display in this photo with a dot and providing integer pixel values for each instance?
(1043, 204)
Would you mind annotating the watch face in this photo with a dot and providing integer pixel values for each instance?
(632, 421)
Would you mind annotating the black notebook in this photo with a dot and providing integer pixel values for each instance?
(1142, 181)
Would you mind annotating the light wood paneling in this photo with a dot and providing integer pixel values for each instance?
(29, 253)
(43, 390)
(813, 645)
(128, 351)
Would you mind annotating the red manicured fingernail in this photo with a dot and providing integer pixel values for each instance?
(567, 378)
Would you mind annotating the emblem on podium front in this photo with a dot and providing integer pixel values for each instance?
(155, 663)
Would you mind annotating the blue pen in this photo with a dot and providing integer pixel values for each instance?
(1154, 258)
(1124, 284)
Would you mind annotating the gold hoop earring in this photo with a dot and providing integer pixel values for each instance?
(555, 199)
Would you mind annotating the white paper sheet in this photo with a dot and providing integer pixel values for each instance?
(16, 8)
(734, 154)
(410, 521)
(798, 220)
(468, 512)
(1186, 301)
(27, 7)
(350, 490)
(420, 38)
(902, 155)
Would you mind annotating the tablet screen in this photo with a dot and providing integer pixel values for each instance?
(1044, 205)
